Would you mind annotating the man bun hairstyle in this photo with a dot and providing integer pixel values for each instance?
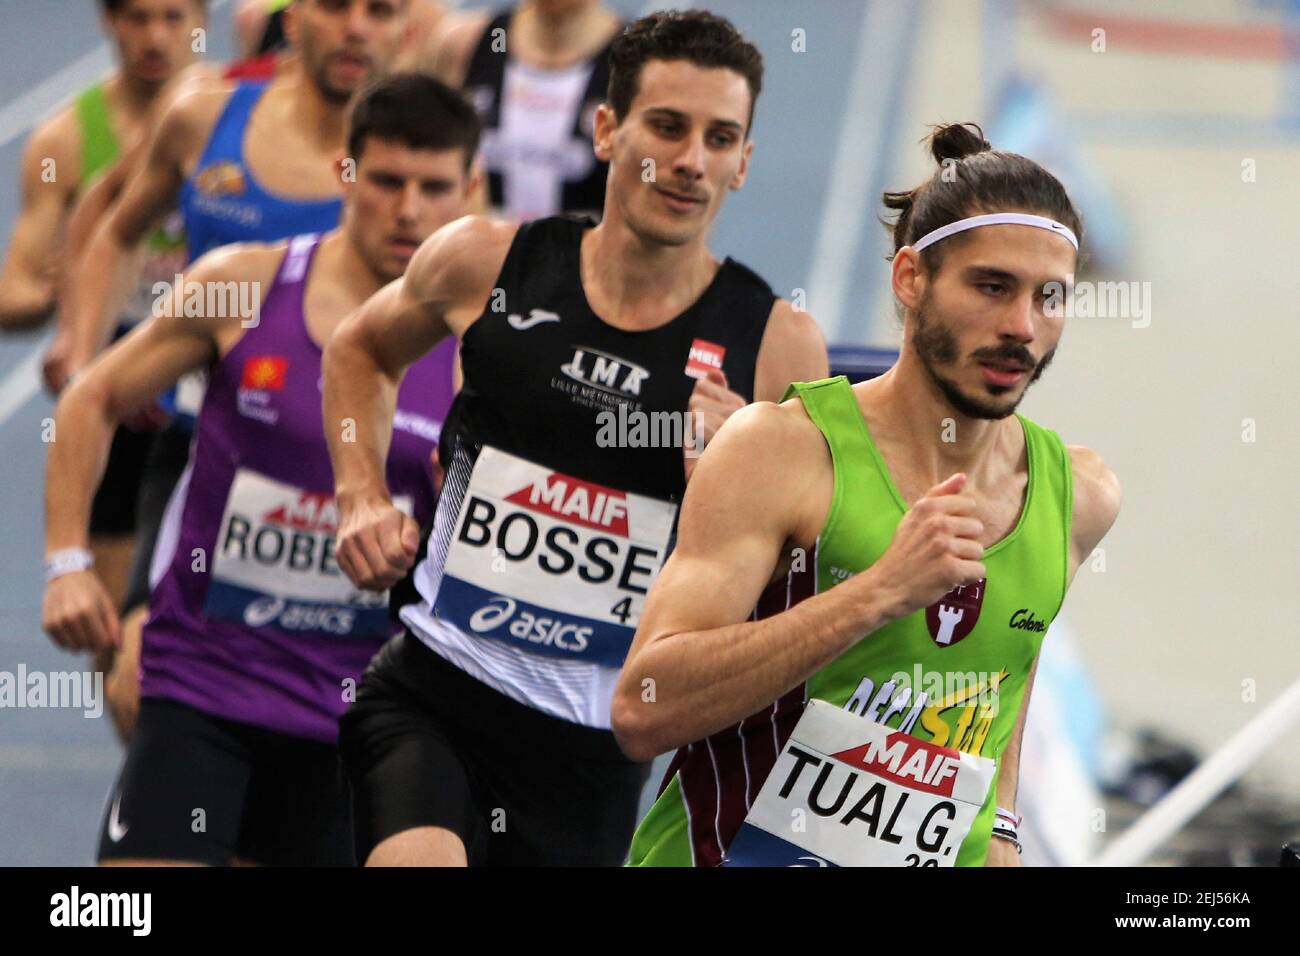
(973, 178)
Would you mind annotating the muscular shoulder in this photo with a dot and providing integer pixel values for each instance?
(190, 110)
(458, 263)
(777, 455)
(1096, 498)
(453, 45)
(58, 139)
(253, 265)
(793, 350)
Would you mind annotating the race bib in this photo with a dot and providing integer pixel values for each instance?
(846, 791)
(275, 564)
(549, 563)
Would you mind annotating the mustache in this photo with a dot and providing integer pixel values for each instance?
(1008, 353)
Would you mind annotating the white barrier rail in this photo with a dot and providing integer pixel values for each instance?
(1220, 769)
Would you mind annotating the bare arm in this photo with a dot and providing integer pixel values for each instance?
(709, 665)
(77, 612)
(30, 274)
(1096, 505)
(449, 53)
(363, 365)
(104, 273)
(793, 350)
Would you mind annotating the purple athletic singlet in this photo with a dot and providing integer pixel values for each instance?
(251, 618)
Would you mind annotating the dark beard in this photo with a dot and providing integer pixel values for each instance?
(936, 346)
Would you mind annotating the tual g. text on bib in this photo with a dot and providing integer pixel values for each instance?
(846, 791)
(550, 563)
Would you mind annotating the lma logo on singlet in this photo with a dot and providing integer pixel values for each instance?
(599, 380)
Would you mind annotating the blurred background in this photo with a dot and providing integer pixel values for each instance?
(1176, 125)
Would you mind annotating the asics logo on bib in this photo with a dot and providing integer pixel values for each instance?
(606, 372)
(292, 616)
(550, 632)
(535, 317)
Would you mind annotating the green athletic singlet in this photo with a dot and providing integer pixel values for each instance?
(952, 674)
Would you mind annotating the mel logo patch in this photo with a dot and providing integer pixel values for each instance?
(264, 372)
(703, 357)
(953, 616)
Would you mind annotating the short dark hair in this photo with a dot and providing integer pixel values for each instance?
(974, 178)
(417, 111)
(114, 7)
(696, 36)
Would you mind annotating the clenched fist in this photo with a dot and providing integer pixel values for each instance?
(376, 544)
(935, 548)
(79, 615)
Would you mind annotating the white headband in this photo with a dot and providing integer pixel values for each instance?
(995, 219)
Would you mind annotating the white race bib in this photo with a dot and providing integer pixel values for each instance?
(846, 791)
(549, 563)
(275, 566)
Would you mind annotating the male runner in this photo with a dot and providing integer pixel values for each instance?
(153, 41)
(951, 528)
(255, 637)
(536, 74)
(482, 735)
(244, 162)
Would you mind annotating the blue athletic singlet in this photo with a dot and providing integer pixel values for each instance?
(223, 203)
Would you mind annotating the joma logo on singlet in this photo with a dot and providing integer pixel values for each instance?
(606, 372)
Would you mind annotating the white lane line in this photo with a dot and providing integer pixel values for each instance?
(879, 54)
(22, 383)
(21, 114)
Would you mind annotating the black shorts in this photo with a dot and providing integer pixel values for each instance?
(169, 452)
(112, 513)
(207, 790)
(426, 744)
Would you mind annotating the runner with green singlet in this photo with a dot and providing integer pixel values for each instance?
(902, 558)
(165, 246)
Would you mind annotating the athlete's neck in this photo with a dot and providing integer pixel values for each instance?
(553, 42)
(343, 251)
(131, 96)
(907, 408)
(635, 284)
(321, 119)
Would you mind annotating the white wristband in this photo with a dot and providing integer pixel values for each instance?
(66, 561)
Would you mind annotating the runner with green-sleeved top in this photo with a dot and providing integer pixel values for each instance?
(843, 653)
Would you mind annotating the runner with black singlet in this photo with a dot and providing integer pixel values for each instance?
(594, 357)
(536, 73)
